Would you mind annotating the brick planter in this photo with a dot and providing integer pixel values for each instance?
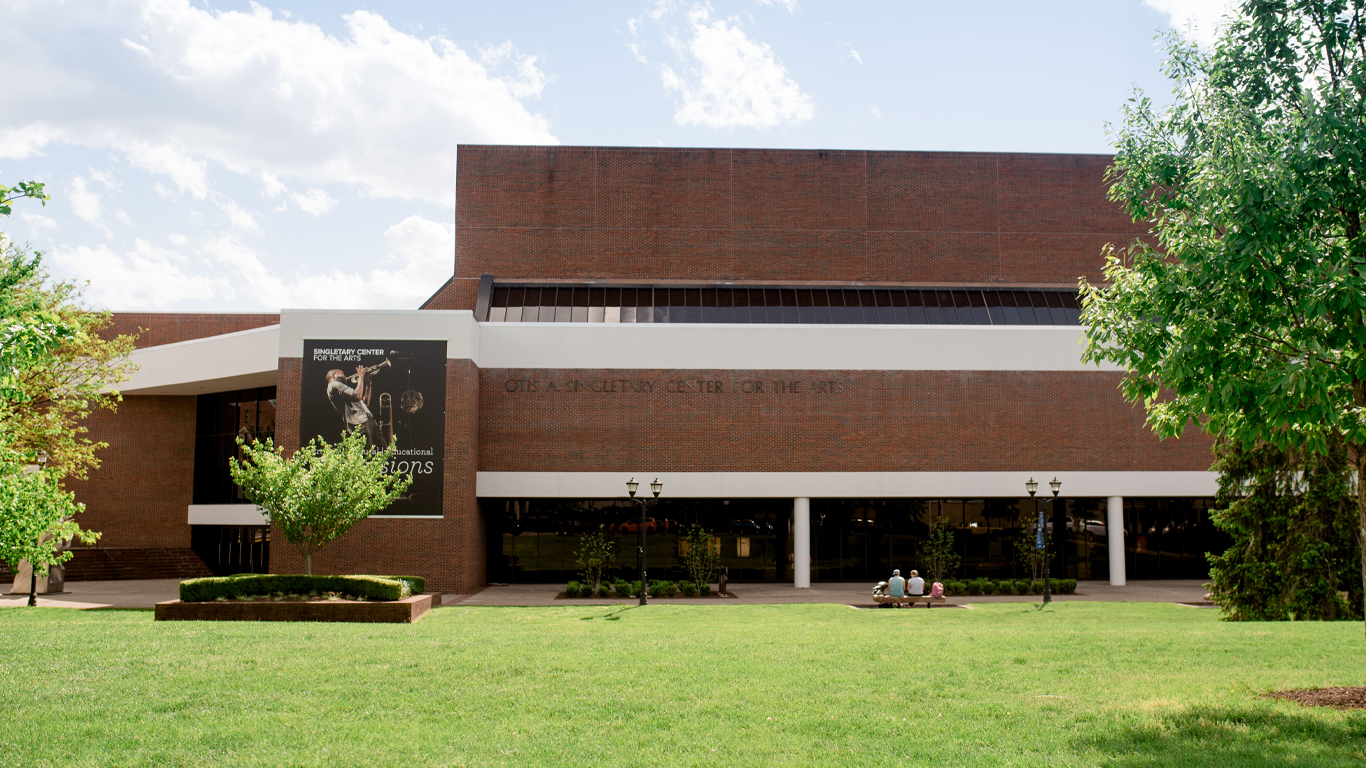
(404, 611)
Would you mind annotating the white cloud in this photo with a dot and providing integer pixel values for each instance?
(790, 5)
(725, 79)
(314, 201)
(1197, 19)
(144, 276)
(876, 112)
(177, 239)
(851, 55)
(239, 217)
(85, 203)
(38, 222)
(255, 93)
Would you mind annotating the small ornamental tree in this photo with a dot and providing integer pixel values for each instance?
(319, 492)
(1026, 554)
(35, 520)
(702, 556)
(596, 552)
(940, 556)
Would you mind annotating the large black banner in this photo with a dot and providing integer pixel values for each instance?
(389, 391)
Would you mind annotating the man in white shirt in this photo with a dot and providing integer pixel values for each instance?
(916, 586)
(353, 405)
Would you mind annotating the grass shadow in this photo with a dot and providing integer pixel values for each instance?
(1230, 736)
(610, 615)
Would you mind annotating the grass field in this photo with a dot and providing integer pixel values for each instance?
(1004, 684)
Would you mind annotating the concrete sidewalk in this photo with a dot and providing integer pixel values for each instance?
(147, 593)
(846, 593)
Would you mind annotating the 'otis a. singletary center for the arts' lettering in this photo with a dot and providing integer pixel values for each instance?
(679, 386)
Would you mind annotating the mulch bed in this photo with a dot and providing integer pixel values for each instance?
(1337, 698)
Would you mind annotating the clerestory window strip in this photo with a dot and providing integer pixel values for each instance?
(529, 303)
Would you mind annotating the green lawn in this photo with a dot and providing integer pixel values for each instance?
(1004, 684)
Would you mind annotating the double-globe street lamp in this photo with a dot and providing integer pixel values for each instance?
(1040, 543)
(631, 486)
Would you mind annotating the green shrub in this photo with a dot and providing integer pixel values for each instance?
(257, 584)
(621, 588)
(572, 589)
(416, 584)
(1020, 586)
(974, 587)
(663, 588)
(1036, 587)
(635, 589)
(688, 588)
(1067, 586)
(703, 590)
(955, 588)
(604, 591)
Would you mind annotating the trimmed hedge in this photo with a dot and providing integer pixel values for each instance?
(258, 584)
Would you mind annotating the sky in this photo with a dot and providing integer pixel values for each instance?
(238, 156)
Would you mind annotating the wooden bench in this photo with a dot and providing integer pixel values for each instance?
(909, 600)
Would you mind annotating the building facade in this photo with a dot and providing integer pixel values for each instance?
(820, 354)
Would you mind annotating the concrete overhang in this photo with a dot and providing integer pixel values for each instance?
(230, 361)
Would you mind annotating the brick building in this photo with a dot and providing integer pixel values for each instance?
(819, 353)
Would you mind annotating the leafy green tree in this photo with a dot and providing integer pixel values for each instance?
(701, 555)
(596, 552)
(1292, 516)
(35, 520)
(939, 553)
(316, 494)
(1245, 310)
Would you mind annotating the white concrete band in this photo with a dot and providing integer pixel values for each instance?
(844, 485)
(1114, 526)
(801, 543)
(226, 514)
(214, 364)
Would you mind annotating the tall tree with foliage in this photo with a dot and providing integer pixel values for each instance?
(1245, 311)
(316, 494)
(1292, 516)
(36, 518)
(939, 554)
(54, 370)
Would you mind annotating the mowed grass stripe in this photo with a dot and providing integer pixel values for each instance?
(1005, 684)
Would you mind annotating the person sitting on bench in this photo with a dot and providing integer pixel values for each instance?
(916, 586)
(896, 586)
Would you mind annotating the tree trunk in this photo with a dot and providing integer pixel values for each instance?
(308, 564)
(1360, 451)
(32, 586)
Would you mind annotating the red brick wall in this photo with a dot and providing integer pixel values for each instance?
(780, 216)
(156, 328)
(450, 552)
(921, 421)
(457, 293)
(140, 495)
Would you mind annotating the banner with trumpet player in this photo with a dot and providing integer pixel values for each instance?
(393, 392)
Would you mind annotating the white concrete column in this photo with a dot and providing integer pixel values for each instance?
(801, 543)
(1114, 526)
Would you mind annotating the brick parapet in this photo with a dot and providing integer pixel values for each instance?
(157, 328)
(781, 216)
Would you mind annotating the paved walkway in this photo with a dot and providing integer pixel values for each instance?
(847, 593)
(146, 593)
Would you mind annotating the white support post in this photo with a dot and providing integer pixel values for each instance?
(1114, 525)
(801, 543)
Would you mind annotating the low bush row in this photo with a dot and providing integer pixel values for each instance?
(623, 588)
(259, 584)
(985, 586)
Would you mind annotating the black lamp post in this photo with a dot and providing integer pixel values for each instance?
(32, 569)
(1040, 543)
(631, 486)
